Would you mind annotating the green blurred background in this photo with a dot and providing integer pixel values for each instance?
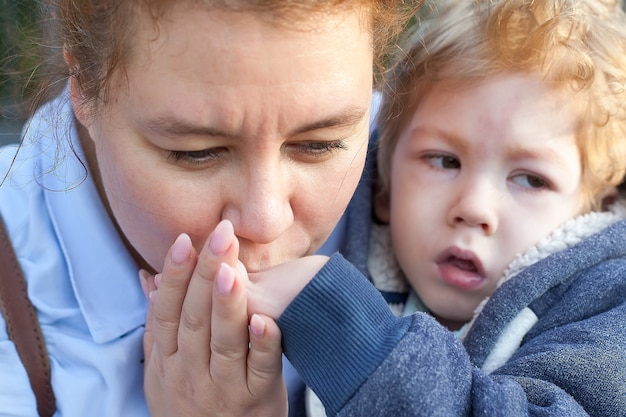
(19, 39)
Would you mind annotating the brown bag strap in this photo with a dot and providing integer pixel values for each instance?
(23, 325)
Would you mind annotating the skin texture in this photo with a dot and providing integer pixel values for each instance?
(225, 117)
(271, 136)
(479, 175)
(468, 193)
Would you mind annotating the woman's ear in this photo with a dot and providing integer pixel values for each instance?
(77, 97)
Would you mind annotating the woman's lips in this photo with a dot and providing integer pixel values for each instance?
(461, 269)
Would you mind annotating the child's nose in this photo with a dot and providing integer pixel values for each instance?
(475, 205)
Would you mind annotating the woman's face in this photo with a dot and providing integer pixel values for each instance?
(223, 115)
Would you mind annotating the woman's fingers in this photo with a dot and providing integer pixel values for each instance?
(229, 327)
(149, 287)
(198, 341)
(265, 356)
(172, 289)
(196, 316)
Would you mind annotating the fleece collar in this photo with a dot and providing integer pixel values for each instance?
(567, 235)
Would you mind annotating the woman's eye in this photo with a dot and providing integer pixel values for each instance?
(196, 157)
(530, 181)
(443, 161)
(315, 149)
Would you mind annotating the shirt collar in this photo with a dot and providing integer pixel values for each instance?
(103, 274)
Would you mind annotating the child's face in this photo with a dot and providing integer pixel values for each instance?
(478, 176)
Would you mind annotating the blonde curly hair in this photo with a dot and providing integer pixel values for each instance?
(576, 45)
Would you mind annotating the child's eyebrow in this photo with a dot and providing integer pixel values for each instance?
(454, 140)
(545, 153)
(518, 152)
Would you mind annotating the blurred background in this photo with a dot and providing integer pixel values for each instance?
(19, 39)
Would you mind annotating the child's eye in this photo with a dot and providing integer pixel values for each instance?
(530, 181)
(200, 157)
(443, 161)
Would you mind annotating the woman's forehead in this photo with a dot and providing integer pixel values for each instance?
(286, 10)
(231, 71)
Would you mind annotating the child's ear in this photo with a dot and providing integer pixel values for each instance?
(381, 208)
(608, 197)
(77, 97)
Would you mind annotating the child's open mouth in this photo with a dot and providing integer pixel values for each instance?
(461, 269)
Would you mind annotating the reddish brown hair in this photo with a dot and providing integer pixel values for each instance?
(97, 33)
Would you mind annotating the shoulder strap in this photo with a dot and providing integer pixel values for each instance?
(23, 325)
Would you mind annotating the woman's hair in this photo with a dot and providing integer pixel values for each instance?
(578, 46)
(98, 33)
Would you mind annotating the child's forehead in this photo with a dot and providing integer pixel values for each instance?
(519, 89)
(513, 106)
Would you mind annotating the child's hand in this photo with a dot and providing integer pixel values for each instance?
(200, 357)
(272, 290)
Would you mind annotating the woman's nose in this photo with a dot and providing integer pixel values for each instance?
(475, 205)
(260, 206)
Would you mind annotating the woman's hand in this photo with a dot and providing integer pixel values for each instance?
(201, 358)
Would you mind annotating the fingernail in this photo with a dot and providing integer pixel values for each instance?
(181, 249)
(225, 279)
(221, 238)
(257, 325)
(157, 280)
(143, 280)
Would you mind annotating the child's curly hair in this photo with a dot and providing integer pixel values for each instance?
(578, 46)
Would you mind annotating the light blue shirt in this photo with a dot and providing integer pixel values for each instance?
(81, 279)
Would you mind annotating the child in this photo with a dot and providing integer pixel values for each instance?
(164, 118)
(502, 140)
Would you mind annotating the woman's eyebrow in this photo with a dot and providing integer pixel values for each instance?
(173, 126)
(347, 118)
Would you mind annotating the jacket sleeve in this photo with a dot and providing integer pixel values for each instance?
(361, 360)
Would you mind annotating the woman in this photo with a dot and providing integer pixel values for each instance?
(175, 117)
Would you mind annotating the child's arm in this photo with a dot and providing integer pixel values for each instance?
(361, 360)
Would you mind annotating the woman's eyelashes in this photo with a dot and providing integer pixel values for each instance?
(195, 158)
(315, 149)
(310, 151)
